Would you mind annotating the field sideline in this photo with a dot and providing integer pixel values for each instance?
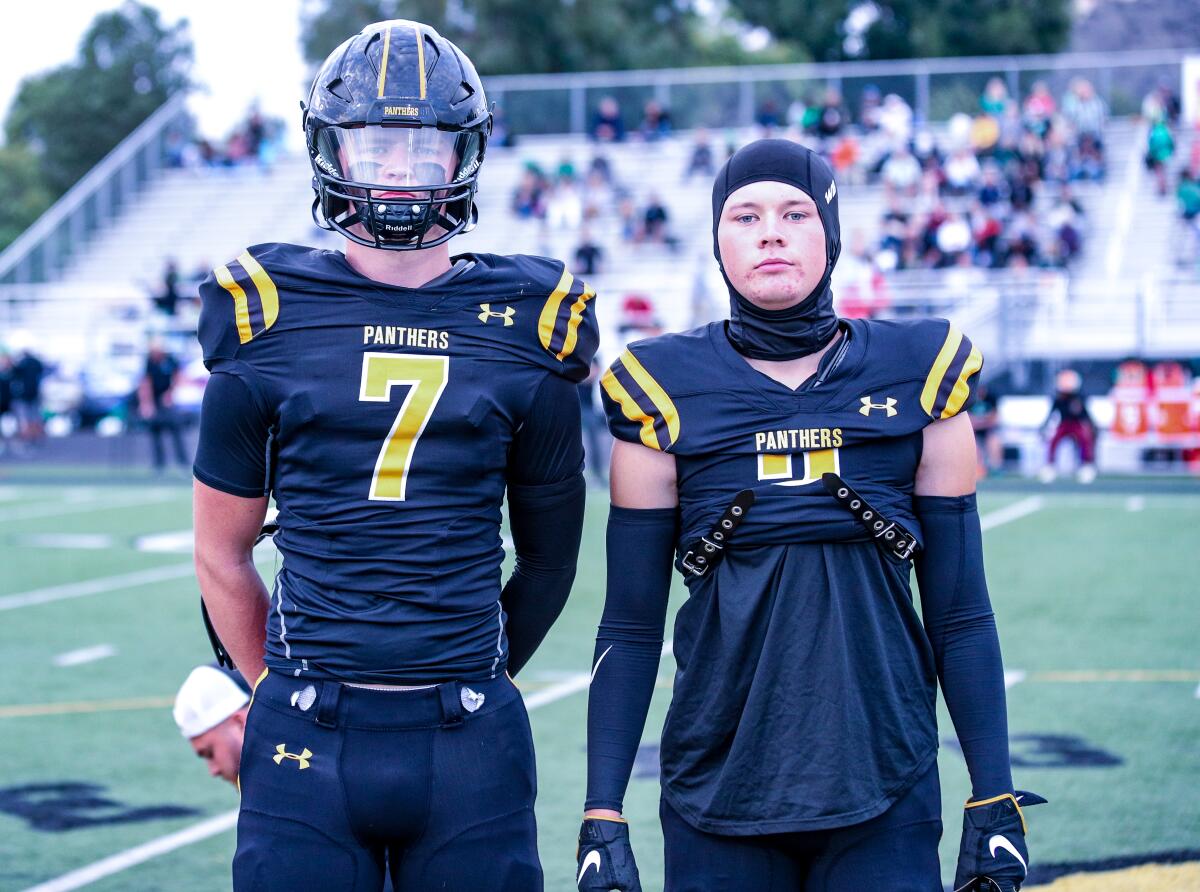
(1095, 595)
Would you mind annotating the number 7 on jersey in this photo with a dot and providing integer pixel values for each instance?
(425, 377)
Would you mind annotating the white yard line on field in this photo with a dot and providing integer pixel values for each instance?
(1012, 512)
(124, 860)
(212, 826)
(67, 541)
(109, 583)
(571, 686)
(95, 586)
(102, 503)
(85, 655)
(1008, 514)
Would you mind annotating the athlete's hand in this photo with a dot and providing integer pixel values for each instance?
(992, 856)
(605, 858)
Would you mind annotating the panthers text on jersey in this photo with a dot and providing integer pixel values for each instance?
(805, 690)
(392, 411)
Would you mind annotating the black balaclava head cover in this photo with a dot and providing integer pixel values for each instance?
(809, 325)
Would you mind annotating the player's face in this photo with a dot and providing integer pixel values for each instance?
(221, 748)
(393, 159)
(394, 156)
(772, 244)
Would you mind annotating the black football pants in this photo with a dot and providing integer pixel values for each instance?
(436, 783)
(895, 852)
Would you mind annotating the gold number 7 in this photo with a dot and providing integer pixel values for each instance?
(426, 377)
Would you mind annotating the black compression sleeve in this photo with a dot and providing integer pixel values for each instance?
(548, 447)
(962, 630)
(234, 434)
(641, 548)
(545, 513)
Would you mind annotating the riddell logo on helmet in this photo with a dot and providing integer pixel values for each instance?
(468, 170)
(325, 165)
(408, 111)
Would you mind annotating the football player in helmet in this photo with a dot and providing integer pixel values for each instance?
(389, 399)
(797, 463)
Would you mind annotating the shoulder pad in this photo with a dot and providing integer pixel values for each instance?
(239, 302)
(567, 329)
(639, 408)
(953, 365)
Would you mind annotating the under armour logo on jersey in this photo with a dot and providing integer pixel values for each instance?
(281, 753)
(471, 700)
(888, 405)
(487, 314)
(303, 700)
(830, 192)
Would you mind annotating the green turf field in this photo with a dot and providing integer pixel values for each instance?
(1096, 597)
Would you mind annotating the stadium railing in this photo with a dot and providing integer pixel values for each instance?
(732, 96)
(41, 252)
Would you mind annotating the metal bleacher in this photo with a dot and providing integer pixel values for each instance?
(79, 282)
(200, 217)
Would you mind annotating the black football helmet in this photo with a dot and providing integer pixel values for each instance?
(396, 125)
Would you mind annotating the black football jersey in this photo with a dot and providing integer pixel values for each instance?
(805, 690)
(393, 411)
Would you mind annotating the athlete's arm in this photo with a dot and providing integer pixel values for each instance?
(545, 511)
(642, 529)
(956, 609)
(229, 505)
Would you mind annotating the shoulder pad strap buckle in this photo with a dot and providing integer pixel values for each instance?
(888, 535)
(708, 550)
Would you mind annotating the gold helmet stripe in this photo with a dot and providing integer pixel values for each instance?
(420, 60)
(387, 43)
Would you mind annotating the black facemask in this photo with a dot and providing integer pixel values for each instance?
(809, 325)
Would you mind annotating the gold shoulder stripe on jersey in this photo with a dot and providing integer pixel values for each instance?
(577, 308)
(955, 368)
(940, 365)
(548, 320)
(255, 297)
(630, 409)
(268, 296)
(962, 387)
(652, 389)
(241, 313)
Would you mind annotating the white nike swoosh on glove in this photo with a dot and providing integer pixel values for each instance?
(591, 859)
(1001, 842)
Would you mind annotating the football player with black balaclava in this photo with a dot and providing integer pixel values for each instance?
(768, 323)
(796, 465)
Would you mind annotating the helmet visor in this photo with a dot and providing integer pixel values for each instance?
(386, 157)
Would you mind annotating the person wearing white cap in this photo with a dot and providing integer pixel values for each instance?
(210, 710)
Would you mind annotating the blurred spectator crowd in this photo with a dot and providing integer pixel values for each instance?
(993, 189)
(257, 141)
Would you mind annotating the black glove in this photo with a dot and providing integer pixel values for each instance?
(992, 856)
(605, 857)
